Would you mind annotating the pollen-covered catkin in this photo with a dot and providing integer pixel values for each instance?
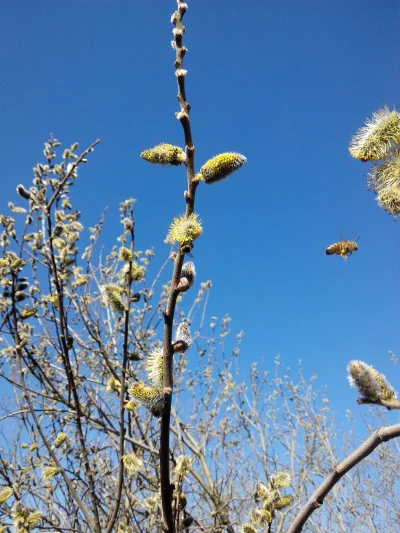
(125, 254)
(112, 294)
(164, 154)
(220, 167)
(247, 528)
(154, 365)
(185, 229)
(132, 463)
(374, 140)
(371, 384)
(152, 399)
(60, 439)
(5, 493)
(385, 174)
(384, 180)
(362, 378)
(389, 200)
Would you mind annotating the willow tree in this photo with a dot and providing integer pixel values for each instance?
(94, 357)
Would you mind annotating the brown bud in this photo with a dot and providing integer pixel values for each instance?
(183, 285)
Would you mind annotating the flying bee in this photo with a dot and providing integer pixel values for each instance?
(342, 248)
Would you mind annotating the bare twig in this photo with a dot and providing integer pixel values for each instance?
(69, 172)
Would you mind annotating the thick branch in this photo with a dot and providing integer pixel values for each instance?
(317, 499)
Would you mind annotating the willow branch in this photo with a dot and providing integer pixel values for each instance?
(58, 282)
(183, 117)
(114, 515)
(366, 448)
(68, 482)
(69, 172)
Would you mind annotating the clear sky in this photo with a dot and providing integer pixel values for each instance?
(286, 83)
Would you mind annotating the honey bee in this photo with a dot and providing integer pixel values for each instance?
(342, 248)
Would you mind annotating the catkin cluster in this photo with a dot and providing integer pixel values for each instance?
(379, 140)
(270, 495)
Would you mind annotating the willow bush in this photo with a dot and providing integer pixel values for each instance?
(109, 424)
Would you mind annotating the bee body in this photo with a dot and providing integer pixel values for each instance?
(342, 248)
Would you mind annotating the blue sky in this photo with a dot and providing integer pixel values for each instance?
(286, 83)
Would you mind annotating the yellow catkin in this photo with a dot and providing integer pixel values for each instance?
(260, 516)
(164, 154)
(27, 313)
(112, 294)
(247, 528)
(60, 439)
(152, 399)
(5, 493)
(125, 254)
(262, 491)
(364, 379)
(48, 472)
(131, 406)
(221, 166)
(284, 502)
(387, 393)
(34, 517)
(132, 463)
(113, 385)
(185, 229)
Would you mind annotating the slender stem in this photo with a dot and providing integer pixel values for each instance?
(166, 493)
(68, 482)
(183, 116)
(114, 515)
(366, 448)
(69, 172)
(66, 359)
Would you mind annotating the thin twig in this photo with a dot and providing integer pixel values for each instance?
(69, 172)
(128, 279)
(68, 369)
(68, 482)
